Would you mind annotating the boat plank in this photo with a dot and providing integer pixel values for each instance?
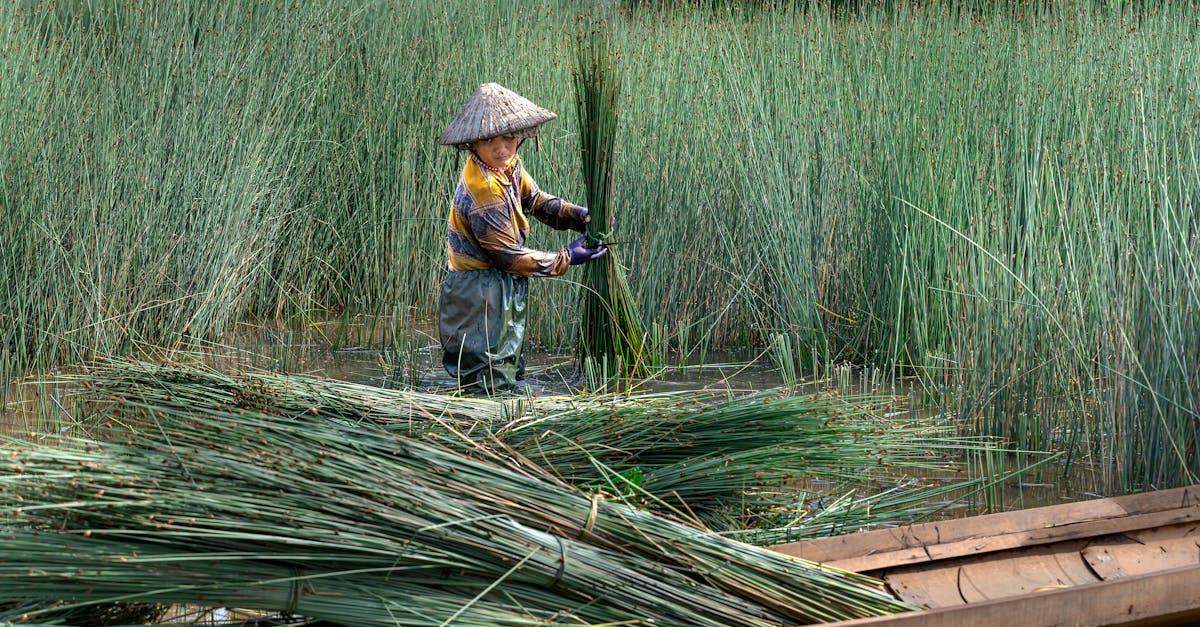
(1169, 532)
(916, 537)
(1168, 597)
(936, 587)
(991, 544)
(997, 576)
(1154, 551)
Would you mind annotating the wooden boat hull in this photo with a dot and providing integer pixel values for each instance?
(1125, 560)
(1169, 597)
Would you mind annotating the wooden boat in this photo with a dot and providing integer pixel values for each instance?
(1130, 560)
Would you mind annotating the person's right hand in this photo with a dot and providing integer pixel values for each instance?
(580, 253)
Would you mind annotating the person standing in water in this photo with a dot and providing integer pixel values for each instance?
(482, 308)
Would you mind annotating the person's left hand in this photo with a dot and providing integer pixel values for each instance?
(581, 213)
(580, 253)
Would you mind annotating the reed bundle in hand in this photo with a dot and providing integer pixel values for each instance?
(610, 331)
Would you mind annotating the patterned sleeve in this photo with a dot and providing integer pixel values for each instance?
(493, 228)
(556, 212)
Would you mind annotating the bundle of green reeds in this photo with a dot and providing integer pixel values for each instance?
(695, 451)
(610, 328)
(98, 615)
(344, 521)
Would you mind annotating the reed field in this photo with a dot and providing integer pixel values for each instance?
(1000, 202)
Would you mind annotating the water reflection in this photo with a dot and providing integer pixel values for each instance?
(374, 352)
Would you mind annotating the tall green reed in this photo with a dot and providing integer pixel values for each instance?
(1000, 203)
(610, 327)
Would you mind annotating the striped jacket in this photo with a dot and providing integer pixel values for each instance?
(488, 226)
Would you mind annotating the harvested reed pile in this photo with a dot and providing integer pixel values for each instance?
(349, 522)
(98, 615)
(610, 328)
(697, 451)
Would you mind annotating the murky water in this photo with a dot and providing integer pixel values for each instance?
(368, 351)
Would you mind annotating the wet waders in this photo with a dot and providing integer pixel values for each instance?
(481, 321)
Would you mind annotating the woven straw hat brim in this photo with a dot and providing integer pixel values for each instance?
(492, 111)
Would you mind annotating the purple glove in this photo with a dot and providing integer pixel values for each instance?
(580, 253)
(581, 214)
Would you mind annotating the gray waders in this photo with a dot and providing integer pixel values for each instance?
(481, 321)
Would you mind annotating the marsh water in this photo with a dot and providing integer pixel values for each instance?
(357, 352)
(376, 353)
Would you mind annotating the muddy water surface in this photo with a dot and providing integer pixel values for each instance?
(373, 352)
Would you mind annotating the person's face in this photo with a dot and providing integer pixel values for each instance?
(497, 151)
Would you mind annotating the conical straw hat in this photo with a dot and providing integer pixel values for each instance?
(493, 111)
